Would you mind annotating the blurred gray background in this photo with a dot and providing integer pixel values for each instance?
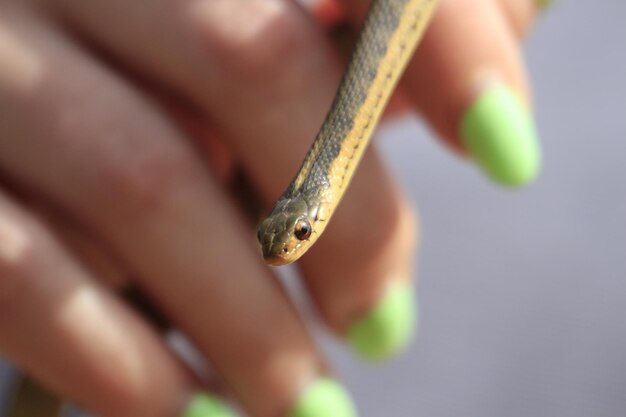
(523, 294)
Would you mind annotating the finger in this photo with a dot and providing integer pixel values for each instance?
(138, 184)
(333, 15)
(361, 276)
(468, 79)
(66, 330)
(266, 75)
(85, 248)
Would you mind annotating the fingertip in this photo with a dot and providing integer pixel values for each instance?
(206, 405)
(388, 327)
(360, 276)
(324, 397)
(500, 135)
(489, 121)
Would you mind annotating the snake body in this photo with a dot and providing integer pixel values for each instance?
(390, 33)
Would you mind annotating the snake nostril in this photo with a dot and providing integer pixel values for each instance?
(285, 250)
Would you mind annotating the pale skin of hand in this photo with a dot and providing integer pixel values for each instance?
(107, 181)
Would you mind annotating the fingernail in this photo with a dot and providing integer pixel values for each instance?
(388, 327)
(500, 135)
(324, 397)
(544, 4)
(205, 405)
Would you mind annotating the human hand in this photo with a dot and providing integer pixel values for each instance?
(121, 123)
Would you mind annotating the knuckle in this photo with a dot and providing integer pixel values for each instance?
(256, 39)
(19, 255)
(148, 179)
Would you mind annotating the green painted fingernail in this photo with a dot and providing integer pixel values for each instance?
(204, 405)
(544, 4)
(500, 135)
(388, 328)
(324, 398)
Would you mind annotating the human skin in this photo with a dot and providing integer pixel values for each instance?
(122, 125)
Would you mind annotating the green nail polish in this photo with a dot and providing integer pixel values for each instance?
(388, 327)
(325, 397)
(204, 405)
(500, 135)
(544, 4)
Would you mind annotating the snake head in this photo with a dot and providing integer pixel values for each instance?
(290, 229)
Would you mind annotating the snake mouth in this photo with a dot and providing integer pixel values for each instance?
(274, 260)
(279, 255)
(274, 256)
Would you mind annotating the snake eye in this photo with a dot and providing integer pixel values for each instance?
(303, 229)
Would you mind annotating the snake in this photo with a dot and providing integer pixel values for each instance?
(390, 34)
